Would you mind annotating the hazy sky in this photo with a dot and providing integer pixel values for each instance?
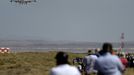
(77, 20)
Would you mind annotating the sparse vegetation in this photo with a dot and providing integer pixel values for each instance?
(33, 63)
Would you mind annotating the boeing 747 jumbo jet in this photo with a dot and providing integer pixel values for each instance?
(23, 1)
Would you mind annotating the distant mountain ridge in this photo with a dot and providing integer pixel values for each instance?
(45, 43)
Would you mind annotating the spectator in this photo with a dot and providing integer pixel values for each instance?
(131, 60)
(124, 60)
(97, 52)
(63, 67)
(89, 61)
(108, 64)
(79, 62)
(128, 58)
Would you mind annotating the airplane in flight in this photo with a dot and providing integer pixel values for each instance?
(23, 1)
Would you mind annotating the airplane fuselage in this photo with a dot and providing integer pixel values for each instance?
(23, 1)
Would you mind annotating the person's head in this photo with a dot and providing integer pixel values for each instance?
(107, 47)
(97, 50)
(61, 58)
(122, 55)
(89, 52)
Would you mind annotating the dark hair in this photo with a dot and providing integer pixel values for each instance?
(62, 58)
(107, 47)
(89, 52)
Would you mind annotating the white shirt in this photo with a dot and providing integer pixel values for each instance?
(65, 70)
(89, 62)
